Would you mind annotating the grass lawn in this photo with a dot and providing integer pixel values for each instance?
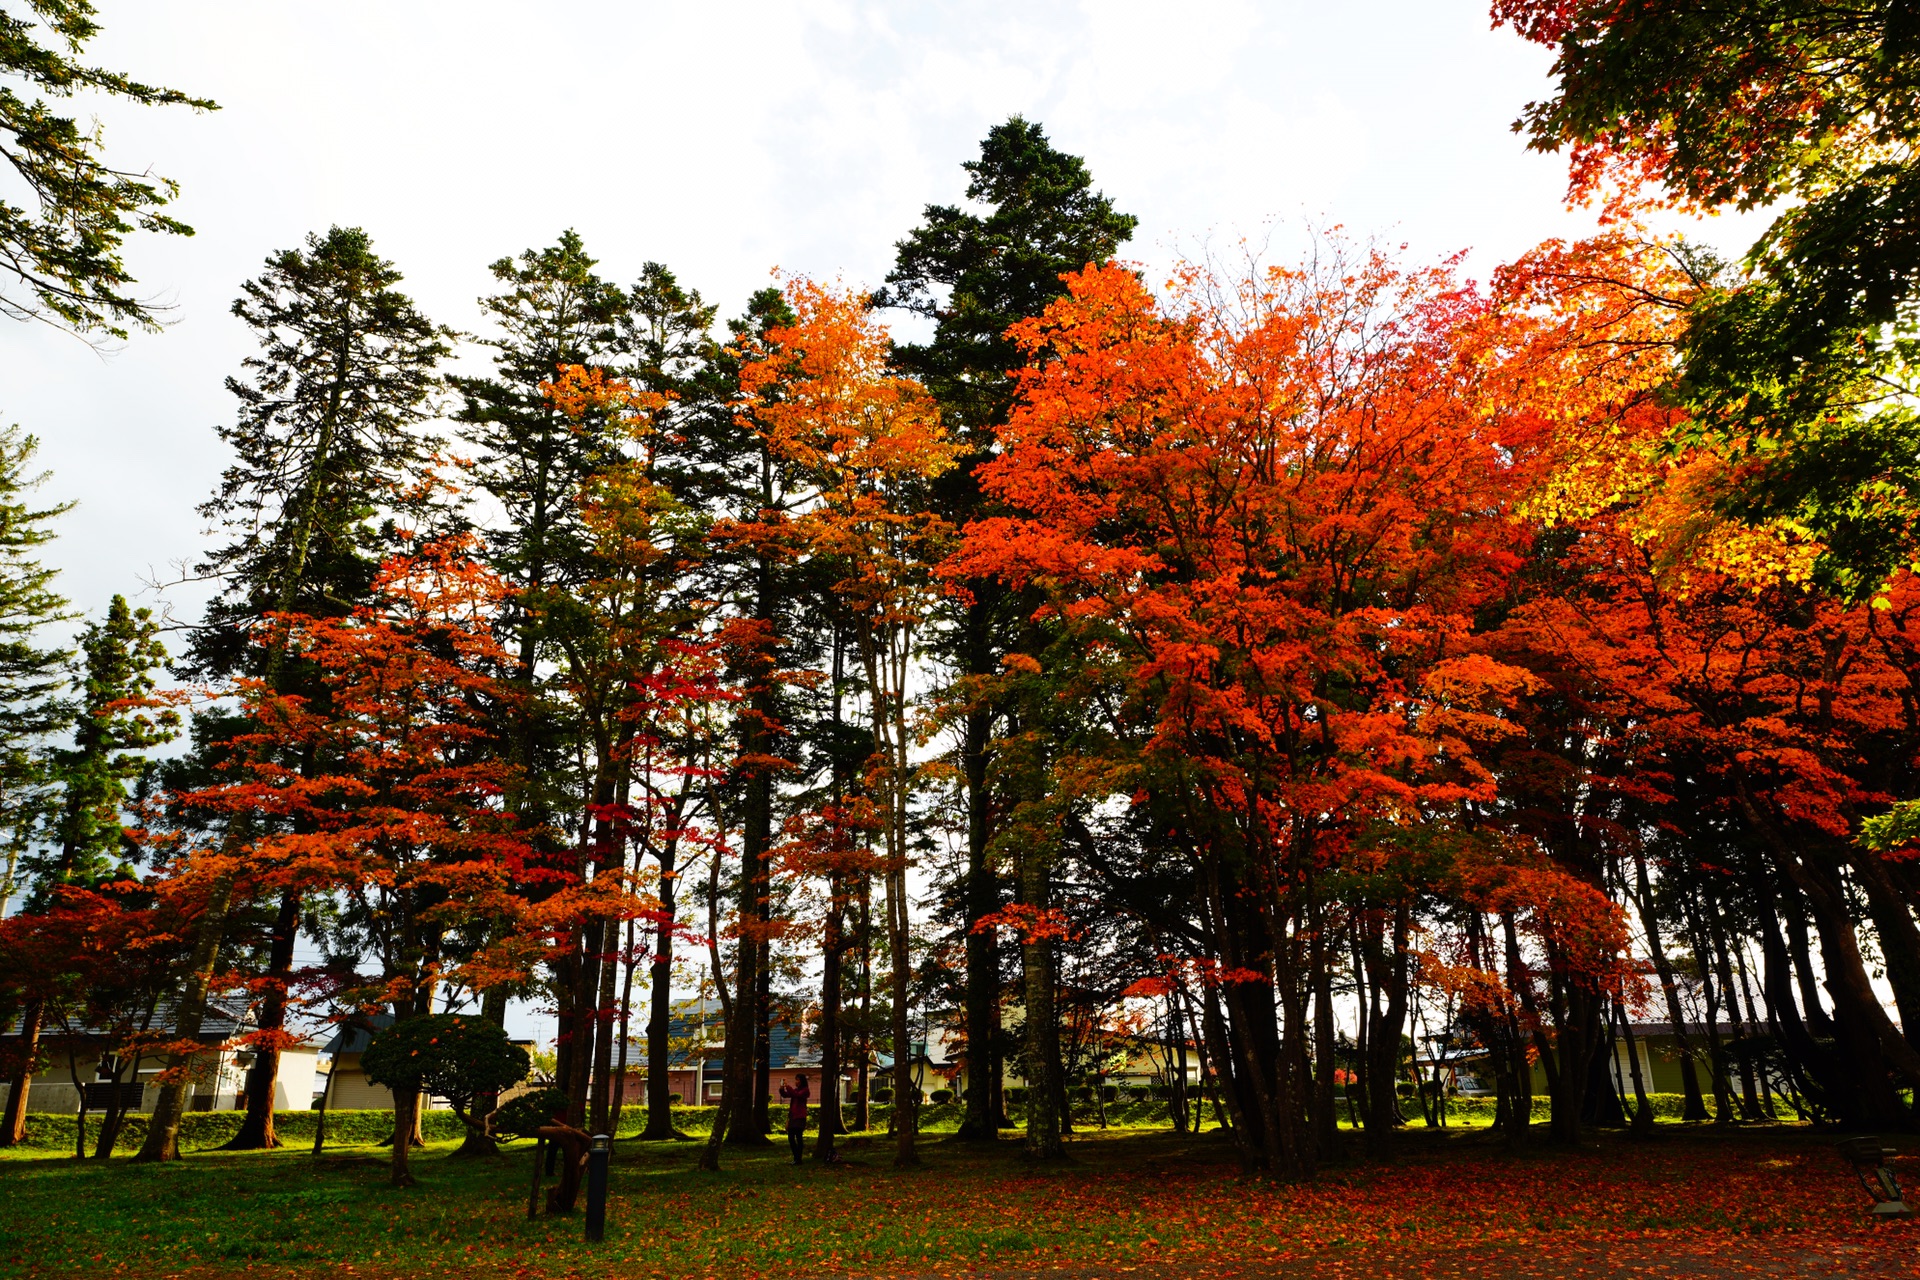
(1770, 1201)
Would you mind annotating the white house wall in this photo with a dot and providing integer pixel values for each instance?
(53, 1091)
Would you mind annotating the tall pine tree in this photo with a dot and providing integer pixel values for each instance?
(84, 841)
(331, 443)
(552, 312)
(974, 271)
(115, 725)
(32, 678)
(329, 440)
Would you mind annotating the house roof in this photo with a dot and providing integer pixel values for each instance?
(1700, 1028)
(697, 1030)
(355, 1037)
(1641, 1031)
(222, 1020)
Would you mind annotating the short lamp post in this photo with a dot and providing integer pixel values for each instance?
(1869, 1159)
(597, 1186)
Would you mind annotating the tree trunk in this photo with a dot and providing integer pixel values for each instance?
(906, 1098)
(1387, 973)
(763, 1023)
(1643, 1117)
(1326, 1033)
(1899, 939)
(660, 1008)
(586, 988)
(1800, 950)
(13, 1126)
(605, 1025)
(406, 1119)
(831, 946)
(731, 1008)
(1695, 1108)
(1749, 1089)
(256, 1127)
(1825, 1087)
(1870, 1043)
(1716, 1052)
(1043, 1137)
(982, 894)
(864, 1114)
(163, 1127)
(628, 962)
(743, 1040)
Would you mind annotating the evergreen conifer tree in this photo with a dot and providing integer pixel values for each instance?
(329, 439)
(115, 724)
(667, 349)
(60, 254)
(552, 311)
(974, 272)
(31, 675)
(32, 678)
(331, 446)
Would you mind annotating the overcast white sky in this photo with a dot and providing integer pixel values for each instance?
(725, 140)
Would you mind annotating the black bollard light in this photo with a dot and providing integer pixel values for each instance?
(597, 1186)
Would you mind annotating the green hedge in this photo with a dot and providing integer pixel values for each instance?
(200, 1130)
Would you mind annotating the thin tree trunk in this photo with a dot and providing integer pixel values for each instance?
(906, 1100)
(326, 1099)
(604, 1024)
(1695, 1108)
(586, 987)
(864, 1114)
(1326, 1120)
(628, 963)
(406, 1120)
(1642, 1105)
(80, 1104)
(710, 1154)
(982, 894)
(163, 1127)
(479, 1142)
(256, 1127)
(13, 1126)
(111, 1123)
(1749, 1089)
(1043, 1139)
(660, 1010)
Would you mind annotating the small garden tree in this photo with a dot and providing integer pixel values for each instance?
(453, 1055)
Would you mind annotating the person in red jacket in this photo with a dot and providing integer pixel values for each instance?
(796, 1095)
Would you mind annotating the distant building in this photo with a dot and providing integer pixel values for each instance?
(1655, 1045)
(697, 1040)
(217, 1077)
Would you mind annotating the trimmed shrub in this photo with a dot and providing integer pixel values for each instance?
(519, 1117)
(454, 1055)
(940, 1096)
